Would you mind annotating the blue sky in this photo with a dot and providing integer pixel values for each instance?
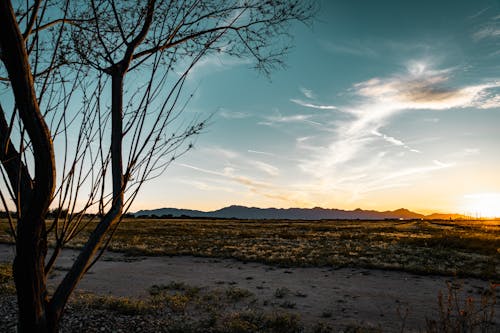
(384, 104)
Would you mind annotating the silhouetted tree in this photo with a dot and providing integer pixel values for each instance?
(62, 62)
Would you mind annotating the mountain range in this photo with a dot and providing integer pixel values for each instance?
(317, 213)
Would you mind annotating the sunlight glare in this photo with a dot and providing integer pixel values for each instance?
(482, 205)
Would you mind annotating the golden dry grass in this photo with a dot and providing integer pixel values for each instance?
(465, 248)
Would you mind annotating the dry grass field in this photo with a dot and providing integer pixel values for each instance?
(452, 248)
(456, 248)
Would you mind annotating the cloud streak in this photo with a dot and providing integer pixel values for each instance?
(233, 114)
(269, 169)
(376, 101)
(307, 92)
(489, 31)
(424, 88)
(312, 105)
(280, 119)
(355, 48)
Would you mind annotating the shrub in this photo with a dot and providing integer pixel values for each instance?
(463, 315)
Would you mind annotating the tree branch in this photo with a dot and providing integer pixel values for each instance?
(32, 20)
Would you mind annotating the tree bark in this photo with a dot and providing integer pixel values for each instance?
(29, 277)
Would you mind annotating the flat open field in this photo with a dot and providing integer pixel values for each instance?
(285, 276)
(463, 248)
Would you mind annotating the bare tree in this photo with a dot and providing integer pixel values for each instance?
(64, 72)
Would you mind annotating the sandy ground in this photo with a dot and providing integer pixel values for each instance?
(339, 297)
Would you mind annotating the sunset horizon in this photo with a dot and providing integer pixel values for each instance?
(487, 213)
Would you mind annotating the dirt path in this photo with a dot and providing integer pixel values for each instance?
(338, 296)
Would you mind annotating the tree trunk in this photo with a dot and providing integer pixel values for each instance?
(29, 276)
(33, 197)
(117, 78)
(84, 259)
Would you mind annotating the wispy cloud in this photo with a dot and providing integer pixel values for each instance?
(260, 152)
(394, 141)
(253, 185)
(205, 186)
(464, 154)
(479, 13)
(234, 166)
(212, 63)
(210, 172)
(229, 173)
(389, 139)
(425, 88)
(233, 114)
(267, 168)
(489, 103)
(356, 48)
(307, 92)
(279, 119)
(220, 152)
(375, 102)
(489, 26)
(312, 105)
(351, 157)
(488, 31)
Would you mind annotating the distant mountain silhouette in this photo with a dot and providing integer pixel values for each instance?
(317, 213)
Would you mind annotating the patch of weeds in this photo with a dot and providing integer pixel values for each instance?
(241, 322)
(257, 321)
(6, 280)
(176, 295)
(463, 315)
(177, 302)
(121, 305)
(321, 328)
(236, 294)
(212, 297)
(190, 291)
(283, 323)
(281, 292)
(362, 329)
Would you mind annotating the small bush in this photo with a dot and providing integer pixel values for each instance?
(235, 294)
(177, 302)
(6, 280)
(284, 323)
(240, 323)
(322, 328)
(281, 292)
(464, 315)
(121, 305)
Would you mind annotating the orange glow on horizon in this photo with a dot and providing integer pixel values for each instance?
(482, 205)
